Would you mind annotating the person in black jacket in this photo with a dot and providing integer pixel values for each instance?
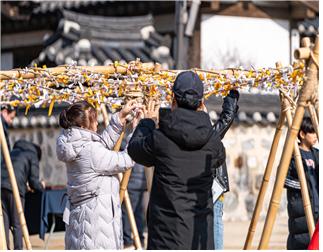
(185, 151)
(25, 157)
(8, 113)
(298, 237)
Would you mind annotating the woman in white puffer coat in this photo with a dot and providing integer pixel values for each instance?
(93, 212)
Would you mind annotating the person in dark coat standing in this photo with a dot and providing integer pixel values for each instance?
(8, 113)
(25, 157)
(299, 237)
(185, 151)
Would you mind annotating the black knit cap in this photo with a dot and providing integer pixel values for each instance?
(188, 83)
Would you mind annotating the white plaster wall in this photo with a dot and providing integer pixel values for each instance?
(228, 41)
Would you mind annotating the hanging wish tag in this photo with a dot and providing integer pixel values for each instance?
(66, 214)
(217, 190)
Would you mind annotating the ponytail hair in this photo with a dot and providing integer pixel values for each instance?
(63, 121)
(79, 114)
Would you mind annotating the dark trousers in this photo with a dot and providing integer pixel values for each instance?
(136, 199)
(11, 219)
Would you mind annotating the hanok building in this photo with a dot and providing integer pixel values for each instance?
(173, 33)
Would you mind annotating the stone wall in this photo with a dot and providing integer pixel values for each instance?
(247, 150)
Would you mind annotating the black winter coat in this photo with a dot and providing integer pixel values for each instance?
(6, 132)
(185, 151)
(298, 237)
(229, 110)
(26, 167)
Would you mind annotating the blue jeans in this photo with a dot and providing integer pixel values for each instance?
(218, 225)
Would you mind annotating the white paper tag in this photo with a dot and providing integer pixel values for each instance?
(66, 214)
(217, 190)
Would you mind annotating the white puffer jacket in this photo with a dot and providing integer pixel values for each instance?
(94, 220)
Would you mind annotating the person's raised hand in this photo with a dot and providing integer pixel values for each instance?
(137, 118)
(128, 109)
(152, 110)
(203, 107)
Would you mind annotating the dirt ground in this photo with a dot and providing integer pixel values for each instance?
(234, 236)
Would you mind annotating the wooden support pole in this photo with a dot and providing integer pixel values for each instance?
(265, 181)
(127, 201)
(126, 175)
(132, 221)
(110, 69)
(314, 119)
(124, 184)
(14, 187)
(3, 242)
(302, 181)
(317, 110)
(268, 170)
(106, 70)
(305, 96)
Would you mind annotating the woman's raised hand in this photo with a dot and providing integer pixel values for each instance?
(139, 115)
(129, 109)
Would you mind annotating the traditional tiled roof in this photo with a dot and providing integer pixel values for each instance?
(98, 40)
(308, 27)
(50, 6)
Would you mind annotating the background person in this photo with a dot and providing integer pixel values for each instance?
(25, 157)
(299, 237)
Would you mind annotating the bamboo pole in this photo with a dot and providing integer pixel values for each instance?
(268, 170)
(3, 242)
(132, 221)
(14, 187)
(126, 175)
(124, 179)
(314, 119)
(106, 70)
(124, 183)
(265, 180)
(111, 69)
(303, 183)
(305, 96)
(299, 165)
(317, 110)
(304, 54)
(127, 201)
